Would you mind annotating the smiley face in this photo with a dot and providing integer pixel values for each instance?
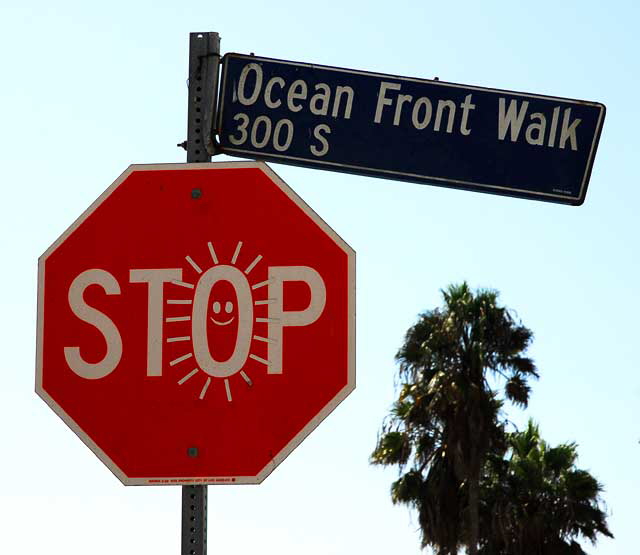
(217, 309)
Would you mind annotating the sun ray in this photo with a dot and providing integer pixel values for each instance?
(178, 319)
(176, 300)
(189, 375)
(253, 264)
(214, 257)
(264, 361)
(180, 359)
(261, 284)
(193, 264)
(264, 339)
(206, 386)
(182, 338)
(182, 283)
(236, 253)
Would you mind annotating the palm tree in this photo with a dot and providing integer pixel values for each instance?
(446, 418)
(535, 501)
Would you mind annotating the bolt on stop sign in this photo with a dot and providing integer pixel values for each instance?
(196, 323)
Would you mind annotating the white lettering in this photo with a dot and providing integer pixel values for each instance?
(442, 104)
(512, 120)
(317, 134)
(554, 126)
(199, 321)
(466, 107)
(568, 132)
(242, 97)
(267, 92)
(340, 91)
(297, 91)
(242, 128)
(255, 130)
(324, 98)
(277, 144)
(538, 128)
(402, 98)
(383, 100)
(155, 279)
(280, 318)
(415, 114)
(88, 314)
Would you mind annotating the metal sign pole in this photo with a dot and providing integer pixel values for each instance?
(194, 520)
(204, 60)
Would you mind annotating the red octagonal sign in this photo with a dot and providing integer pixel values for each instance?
(196, 323)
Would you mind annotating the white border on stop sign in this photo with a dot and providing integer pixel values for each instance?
(300, 436)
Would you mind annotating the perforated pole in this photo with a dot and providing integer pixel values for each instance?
(204, 60)
(194, 520)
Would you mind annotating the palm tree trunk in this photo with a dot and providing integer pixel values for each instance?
(474, 526)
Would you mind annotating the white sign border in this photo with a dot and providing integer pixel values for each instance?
(302, 434)
(458, 184)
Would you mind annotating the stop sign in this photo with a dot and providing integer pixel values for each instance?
(196, 323)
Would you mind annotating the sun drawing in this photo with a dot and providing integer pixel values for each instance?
(215, 316)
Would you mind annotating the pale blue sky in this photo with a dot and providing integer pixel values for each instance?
(88, 89)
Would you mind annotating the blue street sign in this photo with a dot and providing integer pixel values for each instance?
(432, 132)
